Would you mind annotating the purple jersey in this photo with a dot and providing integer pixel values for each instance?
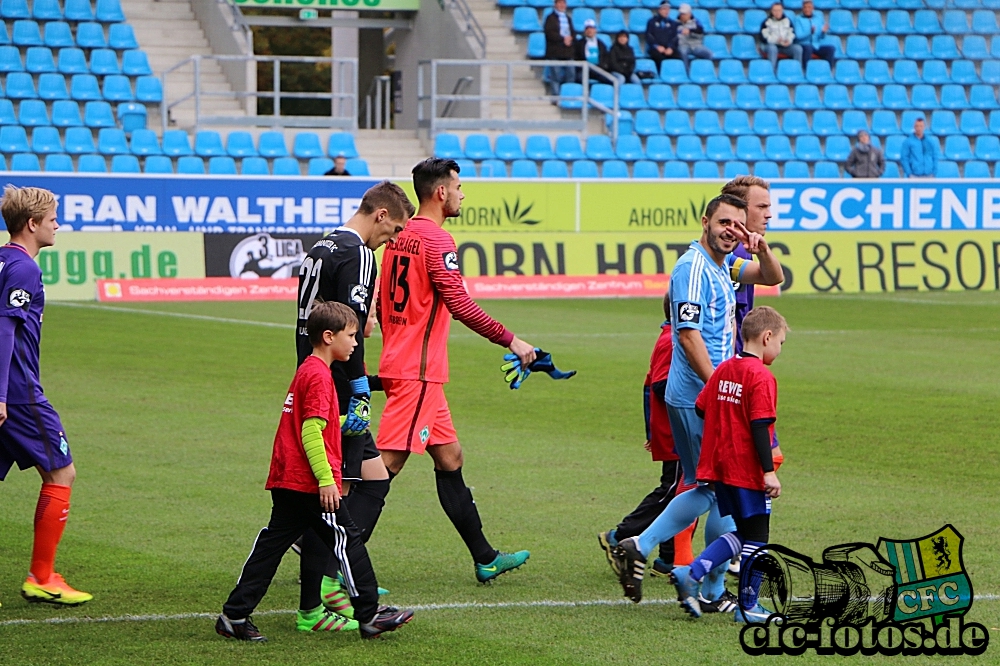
(22, 299)
(744, 298)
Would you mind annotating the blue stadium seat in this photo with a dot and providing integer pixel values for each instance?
(777, 97)
(177, 144)
(58, 163)
(943, 123)
(706, 170)
(748, 97)
(612, 21)
(818, 72)
(46, 140)
(953, 97)
(631, 96)
(795, 123)
(988, 148)
(20, 85)
(305, 146)
(25, 162)
(706, 123)
(58, 35)
(718, 46)
(866, 97)
(289, 167)
(257, 166)
(703, 72)
(52, 87)
(447, 146)
(994, 122)
(848, 72)
(854, 121)
(567, 148)
(555, 168)
(645, 169)
(765, 123)
(744, 47)
(936, 73)
(508, 147)
(974, 48)
(27, 33)
(719, 97)
(629, 148)
(731, 72)
(112, 141)
(824, 123)
(493, 169)
(760, 72)
(646, 65)
(719, 148)
(973, 123)
(807, 149)
(859, 47)
(638, 18)
(955, 22)
(807, 97)
(90, 36)
(84, 87)
(98, 114)
(736, 122)
(10, 59)
(117, 89)
(568, 91)
(104, 61)
(66, 114)
(689, 148)
(4, 37)
(689, 96)
(585, 169)
(752, 18)
(870, 22)
(767, 170)
(80, 141)
(897, 22)
(145, 143)
(891, 170)
(977, 169)
(841, 22)
(924, 98)
(109, 11)
(827, 170)
(884, 123)
(614, 169)
(536, 45)
(658, 148)
(947, 169)
(599, 147)
(39, 59)
(876, 72)
(158, 164)
(964, 72)
(208, 143)
(602, 94)
(13, 139)
(796, 169)
(79, 10)
(915, 48)
(925, 22)
(14, 9)
(790, 72)
(838, 148)
(131, 116)
(239, 144)
(525, 19)
(981, 97)
(904, 72)
(121, 37)
(647, 122)
(661, 97)
(579, 17)
(732, 169)
(73, 61)
(835, 97)
(218, 166)
(887, 47)
(909, 117)
(943, 47)
(676, 123)
(538, 147)
(854, 4)
(984, 22)
(778, 148)
(125, 164)
(357, 166)
(477, 147)
(191, 165)
(676, 169)
(148, 89)
(672, 71)
(523, 169)
(135, 63)
(33, 113)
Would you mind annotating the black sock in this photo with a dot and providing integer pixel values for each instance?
(315, 555)
(367, 501)
(392, 475)
(456, 500)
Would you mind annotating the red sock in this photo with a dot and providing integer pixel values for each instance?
(50, 521)
(683, 555)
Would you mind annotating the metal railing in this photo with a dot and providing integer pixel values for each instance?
(343, 99)
(474, 33)
(433, 102)
(461, 86)
(239, 23)
(381, 91)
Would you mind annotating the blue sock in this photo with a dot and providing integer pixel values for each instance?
(718, 552)
(749, 594)
(715, 582)
(680, 512)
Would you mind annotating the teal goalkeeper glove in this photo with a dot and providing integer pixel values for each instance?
(358, 416)
(515, 373)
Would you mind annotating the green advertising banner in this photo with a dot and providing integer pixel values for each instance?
(376, 5)
(71, 267)
(623, 206)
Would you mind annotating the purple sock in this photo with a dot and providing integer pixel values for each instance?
(721, 550)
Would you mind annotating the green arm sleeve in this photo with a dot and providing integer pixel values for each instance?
(312, 442)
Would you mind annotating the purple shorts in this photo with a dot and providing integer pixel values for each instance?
(33, 436)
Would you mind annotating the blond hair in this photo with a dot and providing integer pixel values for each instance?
(762, 318)
(740, 186)
(20, 204)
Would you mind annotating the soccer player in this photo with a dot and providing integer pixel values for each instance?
(304, 481)
(31, 433)
(703, 303)
(757, 195)
(341, 268)
(421, 289)
(739, 406)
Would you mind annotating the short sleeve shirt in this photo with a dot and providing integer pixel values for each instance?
(740, 391)
(311, 395)
(22, 298)
(701, 298)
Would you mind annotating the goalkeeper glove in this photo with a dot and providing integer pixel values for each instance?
(358, 415)
(515, 373)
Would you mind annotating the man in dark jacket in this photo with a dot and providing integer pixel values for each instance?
(621, 60)
(559, 45)
(592, 50)
(865, 160)
(661, 35)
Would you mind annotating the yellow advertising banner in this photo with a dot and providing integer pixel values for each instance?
(71, 268)
(820, 262)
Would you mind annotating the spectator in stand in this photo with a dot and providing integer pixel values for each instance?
(810, 29)
(559, 45)
(339, 167)
(690, 36)
(621, 60)
(865, 160)
(661, 35)
(593, 50)
(778, 36)
(919, 155)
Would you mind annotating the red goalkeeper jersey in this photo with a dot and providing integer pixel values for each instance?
(420, 290)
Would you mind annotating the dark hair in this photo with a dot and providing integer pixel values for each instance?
(427, 175)
(730, 199)
(389, 196)
(666, 305)
(328, 316)
(620, 33)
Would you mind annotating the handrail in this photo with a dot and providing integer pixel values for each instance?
(343, 97)
(381, 87)
(472, 28)
(460, 87)
(239, 22)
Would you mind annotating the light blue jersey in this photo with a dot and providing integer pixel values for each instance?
(702, 297)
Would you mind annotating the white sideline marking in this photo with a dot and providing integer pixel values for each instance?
(548, 603)
(180, 315)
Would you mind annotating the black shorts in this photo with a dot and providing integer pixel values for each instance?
(355, 450)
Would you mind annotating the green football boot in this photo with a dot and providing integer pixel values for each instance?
(503, 563)
(321, 619)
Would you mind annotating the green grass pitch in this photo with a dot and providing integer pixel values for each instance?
(887, 417)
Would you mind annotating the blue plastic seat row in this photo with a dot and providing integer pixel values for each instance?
(83, 87)
(208, 143)
(39, 59)
(65, 113)
(159, 164)
(107, 11)
(59, 34)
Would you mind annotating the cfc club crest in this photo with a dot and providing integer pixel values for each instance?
(262, 256)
